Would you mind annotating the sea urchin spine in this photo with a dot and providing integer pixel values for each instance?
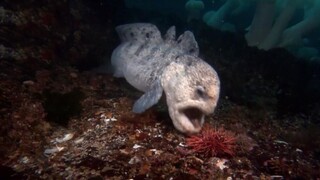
(212, 142)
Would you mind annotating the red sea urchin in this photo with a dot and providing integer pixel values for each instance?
(212, 142)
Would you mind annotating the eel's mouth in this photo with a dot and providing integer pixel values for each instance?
(194, 115)
(190, 119)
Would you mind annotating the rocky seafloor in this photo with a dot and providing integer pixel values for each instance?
(64, 124)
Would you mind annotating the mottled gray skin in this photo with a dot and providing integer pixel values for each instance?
(153, 64)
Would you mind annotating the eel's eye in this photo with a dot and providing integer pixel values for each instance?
(201, 92)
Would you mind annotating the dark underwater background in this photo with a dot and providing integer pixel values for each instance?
(56, 79)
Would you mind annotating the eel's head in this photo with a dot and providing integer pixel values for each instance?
(192, 90)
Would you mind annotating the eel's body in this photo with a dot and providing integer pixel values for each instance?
(153, 64)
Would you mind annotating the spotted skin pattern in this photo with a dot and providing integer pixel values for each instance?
(159, 65)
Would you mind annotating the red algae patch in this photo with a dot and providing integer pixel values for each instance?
(212, 142)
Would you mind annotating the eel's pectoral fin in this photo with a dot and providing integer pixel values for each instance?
(149, 98)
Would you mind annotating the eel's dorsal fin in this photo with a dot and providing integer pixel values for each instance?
(149, 98)
(188, 44)
(170, 36)
(139, 32)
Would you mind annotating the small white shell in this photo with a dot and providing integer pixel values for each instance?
(136, 146)
(221, 164)
(77, 141)
(48, 152)
(66, 137)
(134, 160)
